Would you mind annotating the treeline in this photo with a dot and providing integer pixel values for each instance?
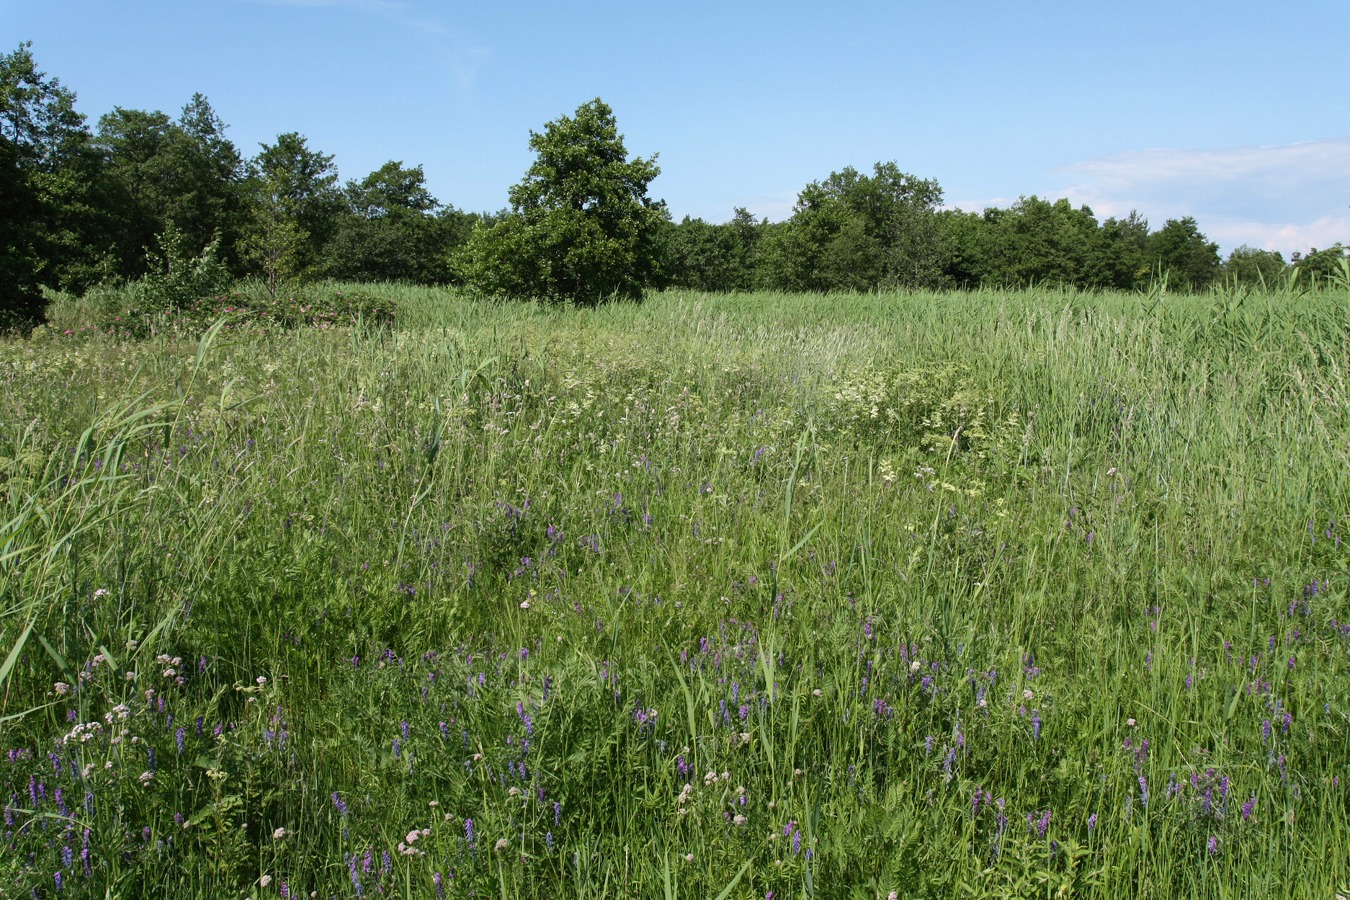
(856, 232)
(82, 206)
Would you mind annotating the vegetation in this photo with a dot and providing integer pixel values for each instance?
(582, 228)
(916, 594)
(88, 209)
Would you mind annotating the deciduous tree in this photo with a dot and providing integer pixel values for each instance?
(582, 228)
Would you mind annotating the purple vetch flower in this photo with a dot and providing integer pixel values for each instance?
(1265, 730)
(356, 879)
(1035, 724)
(1043, 824)
(557, 813)
(468, 831)
(57, 876)
(1092, 823)
(340, 806)
(1212, 845)
(440, 887)
(1248, 808)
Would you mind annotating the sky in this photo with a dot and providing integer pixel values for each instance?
(1234, 113)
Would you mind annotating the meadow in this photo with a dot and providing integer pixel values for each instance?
(986, 594)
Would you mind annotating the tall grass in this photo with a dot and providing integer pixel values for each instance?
(988, 594)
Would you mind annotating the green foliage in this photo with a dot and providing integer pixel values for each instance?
(1189, 258)
(390, 230)
(157, 170)
(582, 228)
(1322, 265)
(709, 257)
(855, 232)
(1254, 268)
(295, 207)
(989, 594)
(180, 273)
(47, 213)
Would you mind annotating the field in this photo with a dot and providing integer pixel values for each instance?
(973, 594)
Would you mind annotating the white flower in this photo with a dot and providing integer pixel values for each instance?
(915, 666)
(817, 692)
(278, 834)
(502, 844)
(261, 679)
(524, 604)
(1027, 694)
(265, 881)
(1131, 722)
(413, 836)
(739, 819)
(61, 688)
(689, 857)
(146, 777)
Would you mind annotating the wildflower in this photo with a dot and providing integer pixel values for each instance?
(339, 805)
(502, 844)
(146, 777)
(264, 881)
(61, 688)
(278, 834)
(468, 831)
(689, 857)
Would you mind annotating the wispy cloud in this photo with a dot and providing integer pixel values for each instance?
(1283, 198)
(467, 60)
(399, 12)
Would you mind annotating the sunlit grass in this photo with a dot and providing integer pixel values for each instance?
(987, 594)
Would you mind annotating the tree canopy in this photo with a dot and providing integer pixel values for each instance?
(582, 228)
(79, 207)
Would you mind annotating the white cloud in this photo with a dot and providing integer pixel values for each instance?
(1285, 198)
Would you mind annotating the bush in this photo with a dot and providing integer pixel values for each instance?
(179, 277)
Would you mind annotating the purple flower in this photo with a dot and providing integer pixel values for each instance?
(1143, 791)
(1248, 808)
(1035, 725)
(356, 879)
(1092, 823)
(339, 805)
(1213, 845)
(468, 831)
(440, 887)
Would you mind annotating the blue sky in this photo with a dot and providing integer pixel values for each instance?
(1233, 112)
